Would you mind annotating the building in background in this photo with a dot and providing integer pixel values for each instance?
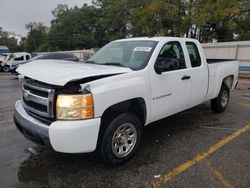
(4, 49)
(230, 50)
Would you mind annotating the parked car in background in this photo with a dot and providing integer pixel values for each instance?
(59, 55)
(15, 59)
(53, 55)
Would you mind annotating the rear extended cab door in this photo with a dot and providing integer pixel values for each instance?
(198, 71)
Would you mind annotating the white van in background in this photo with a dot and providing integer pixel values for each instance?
(15, 59)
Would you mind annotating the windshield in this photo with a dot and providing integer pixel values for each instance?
(130, 54)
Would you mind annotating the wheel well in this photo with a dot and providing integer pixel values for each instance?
(228, 81)
(135, 106)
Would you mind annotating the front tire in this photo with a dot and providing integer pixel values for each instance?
(121, 139)
(6, 69)
(219, 104)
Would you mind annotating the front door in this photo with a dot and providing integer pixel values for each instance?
(171, 86)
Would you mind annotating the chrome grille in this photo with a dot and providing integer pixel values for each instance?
(38, 100)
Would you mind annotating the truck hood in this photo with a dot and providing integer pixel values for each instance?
(58, 72)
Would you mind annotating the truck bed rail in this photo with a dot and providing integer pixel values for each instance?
(211, 61)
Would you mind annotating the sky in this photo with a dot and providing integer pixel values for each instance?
(14, 14)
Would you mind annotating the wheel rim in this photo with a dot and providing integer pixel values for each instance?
(124, 140)
(224, 99)
(5, 69)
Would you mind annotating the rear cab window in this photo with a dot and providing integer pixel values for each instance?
(194, 54)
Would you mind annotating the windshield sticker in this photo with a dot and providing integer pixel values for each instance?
(142, 49)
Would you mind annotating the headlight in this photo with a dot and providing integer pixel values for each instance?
(74, 107)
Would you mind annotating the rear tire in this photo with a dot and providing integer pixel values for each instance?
(219, 104)
(121, 139)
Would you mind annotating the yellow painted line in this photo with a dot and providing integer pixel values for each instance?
(6, 121)
(218, 175)
(243, 104)
(183, 167)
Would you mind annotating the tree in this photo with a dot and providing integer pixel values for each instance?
(60, 9)
(10, 40)
(242, 20)
(107, 20)
(147, 17)
(215, 19)
(76, 28)
(36, 38)
(115, 18)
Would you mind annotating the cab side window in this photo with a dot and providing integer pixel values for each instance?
(19, 58)
(194, 55)
(170, 58)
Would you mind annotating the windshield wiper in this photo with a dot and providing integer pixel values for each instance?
(108, 63)
(113, 63)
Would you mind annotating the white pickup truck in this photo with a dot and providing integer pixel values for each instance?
(104, 104)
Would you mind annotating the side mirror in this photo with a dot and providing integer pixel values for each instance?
(158, 68)
(165, 65)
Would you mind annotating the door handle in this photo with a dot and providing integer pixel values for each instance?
(186, 77)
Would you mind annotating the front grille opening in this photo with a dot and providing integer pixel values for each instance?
(35, 106)
(38, 100)
(36, 92)
(44, 120)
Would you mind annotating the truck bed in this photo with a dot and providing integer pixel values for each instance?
(219, 69)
